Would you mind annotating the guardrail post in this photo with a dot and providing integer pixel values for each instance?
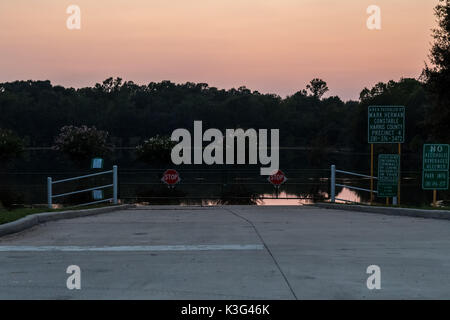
(49, 192)
(115, 184)
(333, 183)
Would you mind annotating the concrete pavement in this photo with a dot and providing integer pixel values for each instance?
(231, 252)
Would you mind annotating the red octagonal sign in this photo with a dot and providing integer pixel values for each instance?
(171, 177)
(278, 178)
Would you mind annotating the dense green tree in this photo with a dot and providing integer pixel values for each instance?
(36, 110)
(407, 92)
(10, 145)
(82, 143)
(317, 87)
(155, 151)
(437, 76)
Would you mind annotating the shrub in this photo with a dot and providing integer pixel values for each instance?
(9, 198)
(10, 145)
(155, 150)
(82, 143)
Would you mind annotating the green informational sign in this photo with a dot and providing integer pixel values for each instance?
(435, 167)
(386, 124)
(97, 163)
(387, 190)
(388, 173)
(435, 180)
(435, 157)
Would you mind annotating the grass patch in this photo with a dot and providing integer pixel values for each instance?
(16, 214)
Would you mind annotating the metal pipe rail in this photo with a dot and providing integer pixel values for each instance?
(80, 191)
(114, 185)
(355, 174)
(82, 177)
(334, 184)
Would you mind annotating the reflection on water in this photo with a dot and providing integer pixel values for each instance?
(268, 199)
(284, 199)
(347, 195)
(287, 199)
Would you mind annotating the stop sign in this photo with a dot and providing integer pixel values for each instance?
(171, 177)
(278, 178)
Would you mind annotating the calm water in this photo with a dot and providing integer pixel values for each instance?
(308, 181)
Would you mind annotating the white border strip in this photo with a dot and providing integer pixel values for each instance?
(212, 247)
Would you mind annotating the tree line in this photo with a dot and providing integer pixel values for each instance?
(131, 113)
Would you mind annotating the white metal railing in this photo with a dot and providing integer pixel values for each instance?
(114, 185)
(334, 184)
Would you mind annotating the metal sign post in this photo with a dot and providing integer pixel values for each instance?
(399, 173)
(435, 198)
(371, 173)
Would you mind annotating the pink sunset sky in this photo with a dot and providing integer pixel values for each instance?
(273, 46)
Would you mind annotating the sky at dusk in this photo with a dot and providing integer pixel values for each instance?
(272, 46)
